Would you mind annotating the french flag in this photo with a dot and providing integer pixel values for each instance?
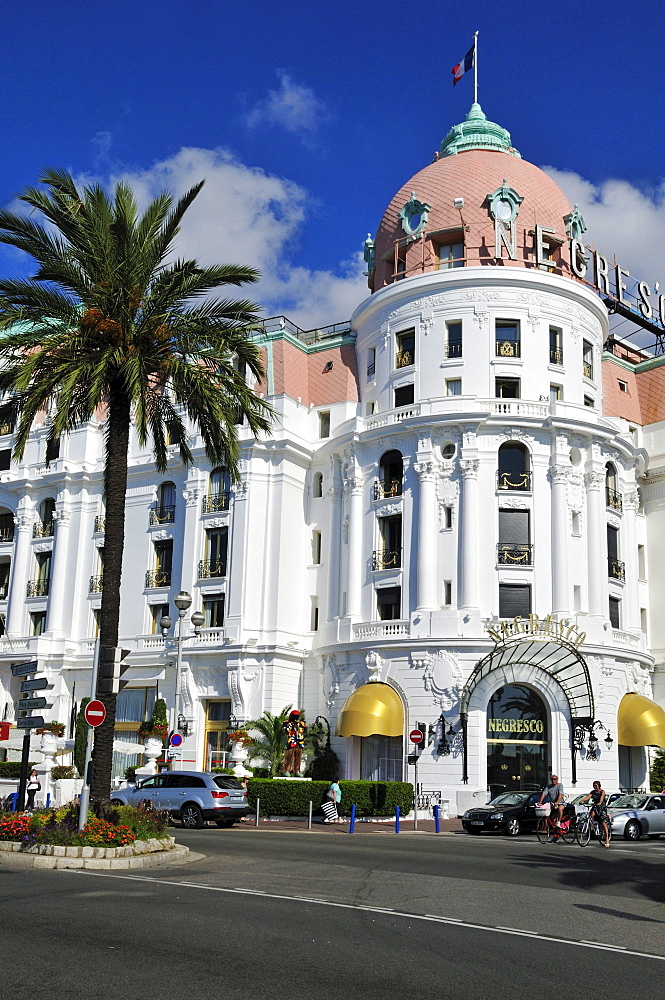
(462, 67)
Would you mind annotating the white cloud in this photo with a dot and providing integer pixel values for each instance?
(246, 216)
(293, 106)
(620, 220)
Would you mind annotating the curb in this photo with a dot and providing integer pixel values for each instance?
(177, 854)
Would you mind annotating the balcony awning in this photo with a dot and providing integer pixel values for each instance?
(640, 722)
(374, 709)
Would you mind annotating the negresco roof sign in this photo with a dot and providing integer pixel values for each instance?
(534, 627)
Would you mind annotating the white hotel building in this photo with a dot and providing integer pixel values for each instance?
(463, 453)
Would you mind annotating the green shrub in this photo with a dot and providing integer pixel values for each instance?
(12, 768)
(81, 738)
(221, 770)
(144, 823)
(62, 771)
(292, 798)
(657, 773)
(130, 774)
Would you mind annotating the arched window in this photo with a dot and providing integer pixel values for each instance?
(391, 473)
(613, 498)
(164, 512)
(514, 467)
(219, 491)
(44, 527)
(317, 485)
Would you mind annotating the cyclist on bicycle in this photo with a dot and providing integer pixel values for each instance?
(599, 810)
(553, 793)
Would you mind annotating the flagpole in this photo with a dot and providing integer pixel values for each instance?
(475, 68)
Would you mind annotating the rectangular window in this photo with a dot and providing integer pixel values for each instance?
(588, 401)
(576, 528)
(5, 567)
(157, 612)
(43, 567)
(37, 622)
(454, 340)
(370, 408)
(514, 538)
(314, 615)
(447, 517)
(507, 337)
(371, 364)
(316, 547)
(641, 563)
(644, 622)
(587, 359)
(447, 593)
(406, 348)
(404, 396)
(612, 542)
(324, 424)
(556, 345)
(5, 459)
(507, 388)
(213, 611)
(164, 558)
(218, 711)
(623, 386)
(556, 393)
(450, 255)
(514, 600)
(615, 612)
(52, 450)
(389, 555)
(389, 603)
(135, 704)
(96, 615)
(217, 542)
(577, 598)
(453, 387)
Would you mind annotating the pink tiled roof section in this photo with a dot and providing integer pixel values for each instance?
(651, 387)
(302, 376)
(473, 175)
(617, 403)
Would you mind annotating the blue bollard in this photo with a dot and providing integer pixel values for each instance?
(437, 826)
(14, 801)
(48, 800)
(353, 819)
(396, 819)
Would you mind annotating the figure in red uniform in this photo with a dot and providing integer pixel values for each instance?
(295, 730)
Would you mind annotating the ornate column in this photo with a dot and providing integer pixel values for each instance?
(334, 537)
(559, 475)
(468, 545)
(628, 552)
(59, 587)
(596, 528)
(20, 570)
(354, 487)
(427, 535)
(190, 545)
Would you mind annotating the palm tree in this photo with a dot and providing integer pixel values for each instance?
(268, 738)
(111, 323)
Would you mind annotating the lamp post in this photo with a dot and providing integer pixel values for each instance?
(183, 602)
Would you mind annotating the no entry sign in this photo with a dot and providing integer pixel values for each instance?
(95, 713)
(416, 736)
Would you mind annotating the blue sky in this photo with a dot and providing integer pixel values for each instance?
(305, 118)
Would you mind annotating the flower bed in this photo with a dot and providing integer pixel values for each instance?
(88, 851)
(59, 827)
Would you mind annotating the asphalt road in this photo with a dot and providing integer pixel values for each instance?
(266, 912)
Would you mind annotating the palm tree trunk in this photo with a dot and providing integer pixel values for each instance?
(115, 482)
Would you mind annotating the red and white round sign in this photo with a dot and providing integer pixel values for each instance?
(416, 736)
(95, 713)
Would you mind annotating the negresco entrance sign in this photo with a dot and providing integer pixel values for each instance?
(538, 628)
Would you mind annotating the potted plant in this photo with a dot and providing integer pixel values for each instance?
(56, 728)
(241, 740)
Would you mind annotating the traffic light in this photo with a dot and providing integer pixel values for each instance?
(110, 669)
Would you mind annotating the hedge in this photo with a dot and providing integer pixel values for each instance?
(292, 798)
(12, 768)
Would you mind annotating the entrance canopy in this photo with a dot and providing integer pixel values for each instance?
(374, 709)
(640, 722)
(556, 657)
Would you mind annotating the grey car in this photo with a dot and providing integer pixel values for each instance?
(637, 814)
(190, 796)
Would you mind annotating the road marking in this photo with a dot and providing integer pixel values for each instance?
(432, 918)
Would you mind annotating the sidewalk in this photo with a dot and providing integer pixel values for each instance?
(447, 826)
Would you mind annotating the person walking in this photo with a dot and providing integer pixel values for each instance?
(333, 798)
(599, 810)
(32, 787)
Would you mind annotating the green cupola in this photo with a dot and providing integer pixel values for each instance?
(476, 132)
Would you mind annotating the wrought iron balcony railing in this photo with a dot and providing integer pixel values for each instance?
(386, 559)
(215, 502)
(616, 570)
(38, 588)
(391, 488)
(42, 529)
(370, 371)
(453, 350)
(514, 555)
(211, 568)
(157, 578)
(508, 349)
(405, 358)
(7, 533)
(556, 356)
(613, 500)
(587, 369)
(162, 515)
(100, 523)
(96, 585)
(514, 481)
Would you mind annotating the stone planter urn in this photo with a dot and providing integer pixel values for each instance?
(49, 745)
(152, 748)
(239, 752)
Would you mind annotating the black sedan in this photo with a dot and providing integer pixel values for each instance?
(510, 812)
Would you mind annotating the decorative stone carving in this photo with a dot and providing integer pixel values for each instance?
(631, 500)
(559, 474)
(469, 467)
(237, 701)
(387, 509)
(575, 492)
(240, 490)
(613, 520)
(62, 517)
(43, 547)
(374, 664)
(191, 496)
(469, 432)
(331, 679)
(516, 503)
(424, 439)
(385, 335)
(594, 480)
(442, 676)
(24, 522)
(212, 522)
(640, 678)
(162, 535)
(425, 470)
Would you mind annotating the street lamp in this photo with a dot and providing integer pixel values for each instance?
(183, 602)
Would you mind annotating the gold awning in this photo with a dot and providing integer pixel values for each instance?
(640, 722)
(374, 709)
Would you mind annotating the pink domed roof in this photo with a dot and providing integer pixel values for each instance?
(471, 174)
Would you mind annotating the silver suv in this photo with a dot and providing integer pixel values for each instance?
(191, 796)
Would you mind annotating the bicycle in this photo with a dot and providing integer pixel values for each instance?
(547, 830)
(586, 826)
